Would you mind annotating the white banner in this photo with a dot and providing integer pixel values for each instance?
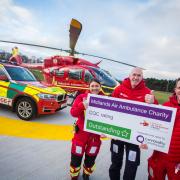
(130, 121)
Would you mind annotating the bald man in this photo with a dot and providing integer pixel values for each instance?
(132, 88)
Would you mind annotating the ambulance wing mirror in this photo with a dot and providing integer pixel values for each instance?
(4, 78)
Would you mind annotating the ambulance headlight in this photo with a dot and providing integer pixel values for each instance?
(46, 96)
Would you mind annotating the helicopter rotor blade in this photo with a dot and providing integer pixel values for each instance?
(69, 51)
(74, 32)
(108, 59)
(35, 45)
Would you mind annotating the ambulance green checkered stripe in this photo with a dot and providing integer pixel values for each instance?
(13, 88)
(109, 129)
(11, 93)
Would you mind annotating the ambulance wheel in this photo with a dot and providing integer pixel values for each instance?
(25, 108)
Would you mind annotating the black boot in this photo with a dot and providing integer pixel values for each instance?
(85, 177)
(74, 178)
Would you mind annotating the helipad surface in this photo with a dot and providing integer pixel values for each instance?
(40, 149)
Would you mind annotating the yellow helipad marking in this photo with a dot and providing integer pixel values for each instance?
(34, 130)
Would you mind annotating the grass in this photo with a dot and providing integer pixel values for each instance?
(38, 74)
(162, 96)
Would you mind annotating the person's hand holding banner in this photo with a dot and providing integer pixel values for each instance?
(143, 146)
(85, 103)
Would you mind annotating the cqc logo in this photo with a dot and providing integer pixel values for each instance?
(140, 138)
(156, 141)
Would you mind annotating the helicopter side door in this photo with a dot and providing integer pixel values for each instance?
(61, 77)
(75, 78)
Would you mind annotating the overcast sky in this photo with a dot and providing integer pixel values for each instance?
(145, 33)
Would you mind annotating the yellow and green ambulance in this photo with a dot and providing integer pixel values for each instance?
(20, 90)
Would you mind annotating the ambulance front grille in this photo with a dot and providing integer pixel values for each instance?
(61, 97)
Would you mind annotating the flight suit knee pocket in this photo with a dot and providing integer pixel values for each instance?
(77, 148)
(93, 148)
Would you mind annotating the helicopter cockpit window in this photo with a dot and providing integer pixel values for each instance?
(59, 72)
(104, 77)
(88, 76)
(75, 74)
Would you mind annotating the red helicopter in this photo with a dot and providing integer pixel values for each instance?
(69, 72)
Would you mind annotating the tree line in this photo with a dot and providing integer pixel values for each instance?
(160, 85)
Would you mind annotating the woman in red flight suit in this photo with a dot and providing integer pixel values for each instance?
(160, 164)
(84, 142)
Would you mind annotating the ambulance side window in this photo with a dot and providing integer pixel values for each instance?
(75, 74)
(88, 76)
(3, 76)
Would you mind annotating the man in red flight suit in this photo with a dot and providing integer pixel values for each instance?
(132, 88)
(84, 142)
(160, 164)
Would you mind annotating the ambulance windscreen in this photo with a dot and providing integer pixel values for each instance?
(20, 74)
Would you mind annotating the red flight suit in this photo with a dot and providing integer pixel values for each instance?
(160, 164)
(125, 91)
(83, 142)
